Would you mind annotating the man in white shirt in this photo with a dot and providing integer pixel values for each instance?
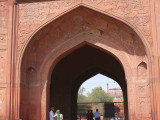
(51, 114)
(97, 115)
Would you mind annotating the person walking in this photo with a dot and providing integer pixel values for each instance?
(97, 115)
(58, 115)
(88, 115)
(91, 115)
(51, 114)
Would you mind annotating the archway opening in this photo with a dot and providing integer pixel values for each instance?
(102, 93)
(71, 71)
(84, 42)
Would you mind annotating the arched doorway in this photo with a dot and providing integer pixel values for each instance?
(71, 32)
(102, 93)
(70, 72)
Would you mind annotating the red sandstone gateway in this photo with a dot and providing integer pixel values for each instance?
(47, 43)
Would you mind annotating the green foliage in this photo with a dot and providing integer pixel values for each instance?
(82, 98)
(81, 91)
(97, 95)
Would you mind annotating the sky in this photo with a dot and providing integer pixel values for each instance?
(98, 80)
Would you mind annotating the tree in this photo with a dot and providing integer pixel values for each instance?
(99, 95)
(81, 97)
(82, 108)
(81, 91)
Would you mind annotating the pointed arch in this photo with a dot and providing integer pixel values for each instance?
(53, 18)
(91, 37)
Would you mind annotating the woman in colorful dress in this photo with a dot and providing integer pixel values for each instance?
(58, 115)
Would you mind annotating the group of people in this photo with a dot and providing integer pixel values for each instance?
(59, 116)
(55, 116)
(90, 115)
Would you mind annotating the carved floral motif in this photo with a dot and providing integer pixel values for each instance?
(137, 12)
(31, 15)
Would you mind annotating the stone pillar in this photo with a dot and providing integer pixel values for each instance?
(155, 5)
(6, 18)
(131, 100)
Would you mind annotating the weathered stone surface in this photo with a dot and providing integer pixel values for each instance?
(36, 35)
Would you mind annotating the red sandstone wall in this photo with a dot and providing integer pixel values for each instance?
(4, 59)
(136, 13)
(34, 15)
(145, 18)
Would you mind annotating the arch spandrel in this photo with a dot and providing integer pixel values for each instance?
(34, 16)
(119, 39)
(104, 28)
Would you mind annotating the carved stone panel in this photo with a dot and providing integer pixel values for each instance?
(3, 39)
(142, 72)
(32, 76)
(142, 89)
(2, 67)
(3, 42)
(33, 15)
(3, 17)
(2, 101)
(142, 105)
(136, 12)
